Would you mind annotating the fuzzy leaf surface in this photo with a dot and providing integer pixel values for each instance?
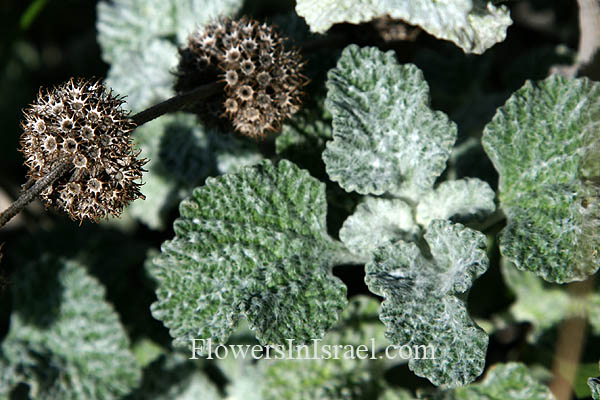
(252, 244)
(473, 25)
(462, 198)
(65, 340)
(539, 142)
(386, 138)
(511, 381)
(377, 221)
(424, 300)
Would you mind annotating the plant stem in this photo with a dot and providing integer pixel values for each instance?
(33, 191)
(177, 103)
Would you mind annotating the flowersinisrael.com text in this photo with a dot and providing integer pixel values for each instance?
(313, 351)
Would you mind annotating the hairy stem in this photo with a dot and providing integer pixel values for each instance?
(33, 191)
(177, 103)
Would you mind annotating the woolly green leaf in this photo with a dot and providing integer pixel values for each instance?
(511, 381)
(538, 141)
(473, 25)
(175, 377)
(339, 376)
(594, 384)
(252, 244)
(386, 138)
(377, 221)
(425, 300)
(461, 198)
(65, 340)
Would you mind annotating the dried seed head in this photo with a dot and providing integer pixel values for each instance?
(250, 58)
(81, 122)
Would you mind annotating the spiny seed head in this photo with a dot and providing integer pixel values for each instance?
(82, 123)
(251, 60)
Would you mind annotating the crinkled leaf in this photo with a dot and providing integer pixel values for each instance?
(461, 198)
(377, 221)
(511, 381)
(252, 244)
(425, 300)
(175, 377)
(386, 138)
(334, 378)
(473, 25)
(65, 340)
(538, 141)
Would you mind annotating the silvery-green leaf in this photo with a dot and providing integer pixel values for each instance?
(252, 244)
(151, 64)
(175, 377)
(377, 221)
(386, 138)
(65, 340)
(538, 142)
(191, 15)
(425, 300)
(511, 381)
(125, 25)
(473, 25)
(461, 198)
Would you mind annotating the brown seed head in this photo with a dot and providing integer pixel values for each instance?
(257, 71)
(81, 122)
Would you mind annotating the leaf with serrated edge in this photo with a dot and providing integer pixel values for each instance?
(537, 142)
(473, 25)
(424, 301)
(386, 138)
(252, 244)
(377, 221)
(511, 381)
(461, 198)
(65, 339)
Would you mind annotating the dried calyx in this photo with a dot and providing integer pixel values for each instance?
(80, 122)
(263, 81)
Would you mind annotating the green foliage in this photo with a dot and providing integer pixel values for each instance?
(504, 381)
(386, 139)
(473, 25)
(544, 305)
(424, 300)
(334, 378)
(60, 322)
(537, 142)
(175, 377)
(252, 244)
